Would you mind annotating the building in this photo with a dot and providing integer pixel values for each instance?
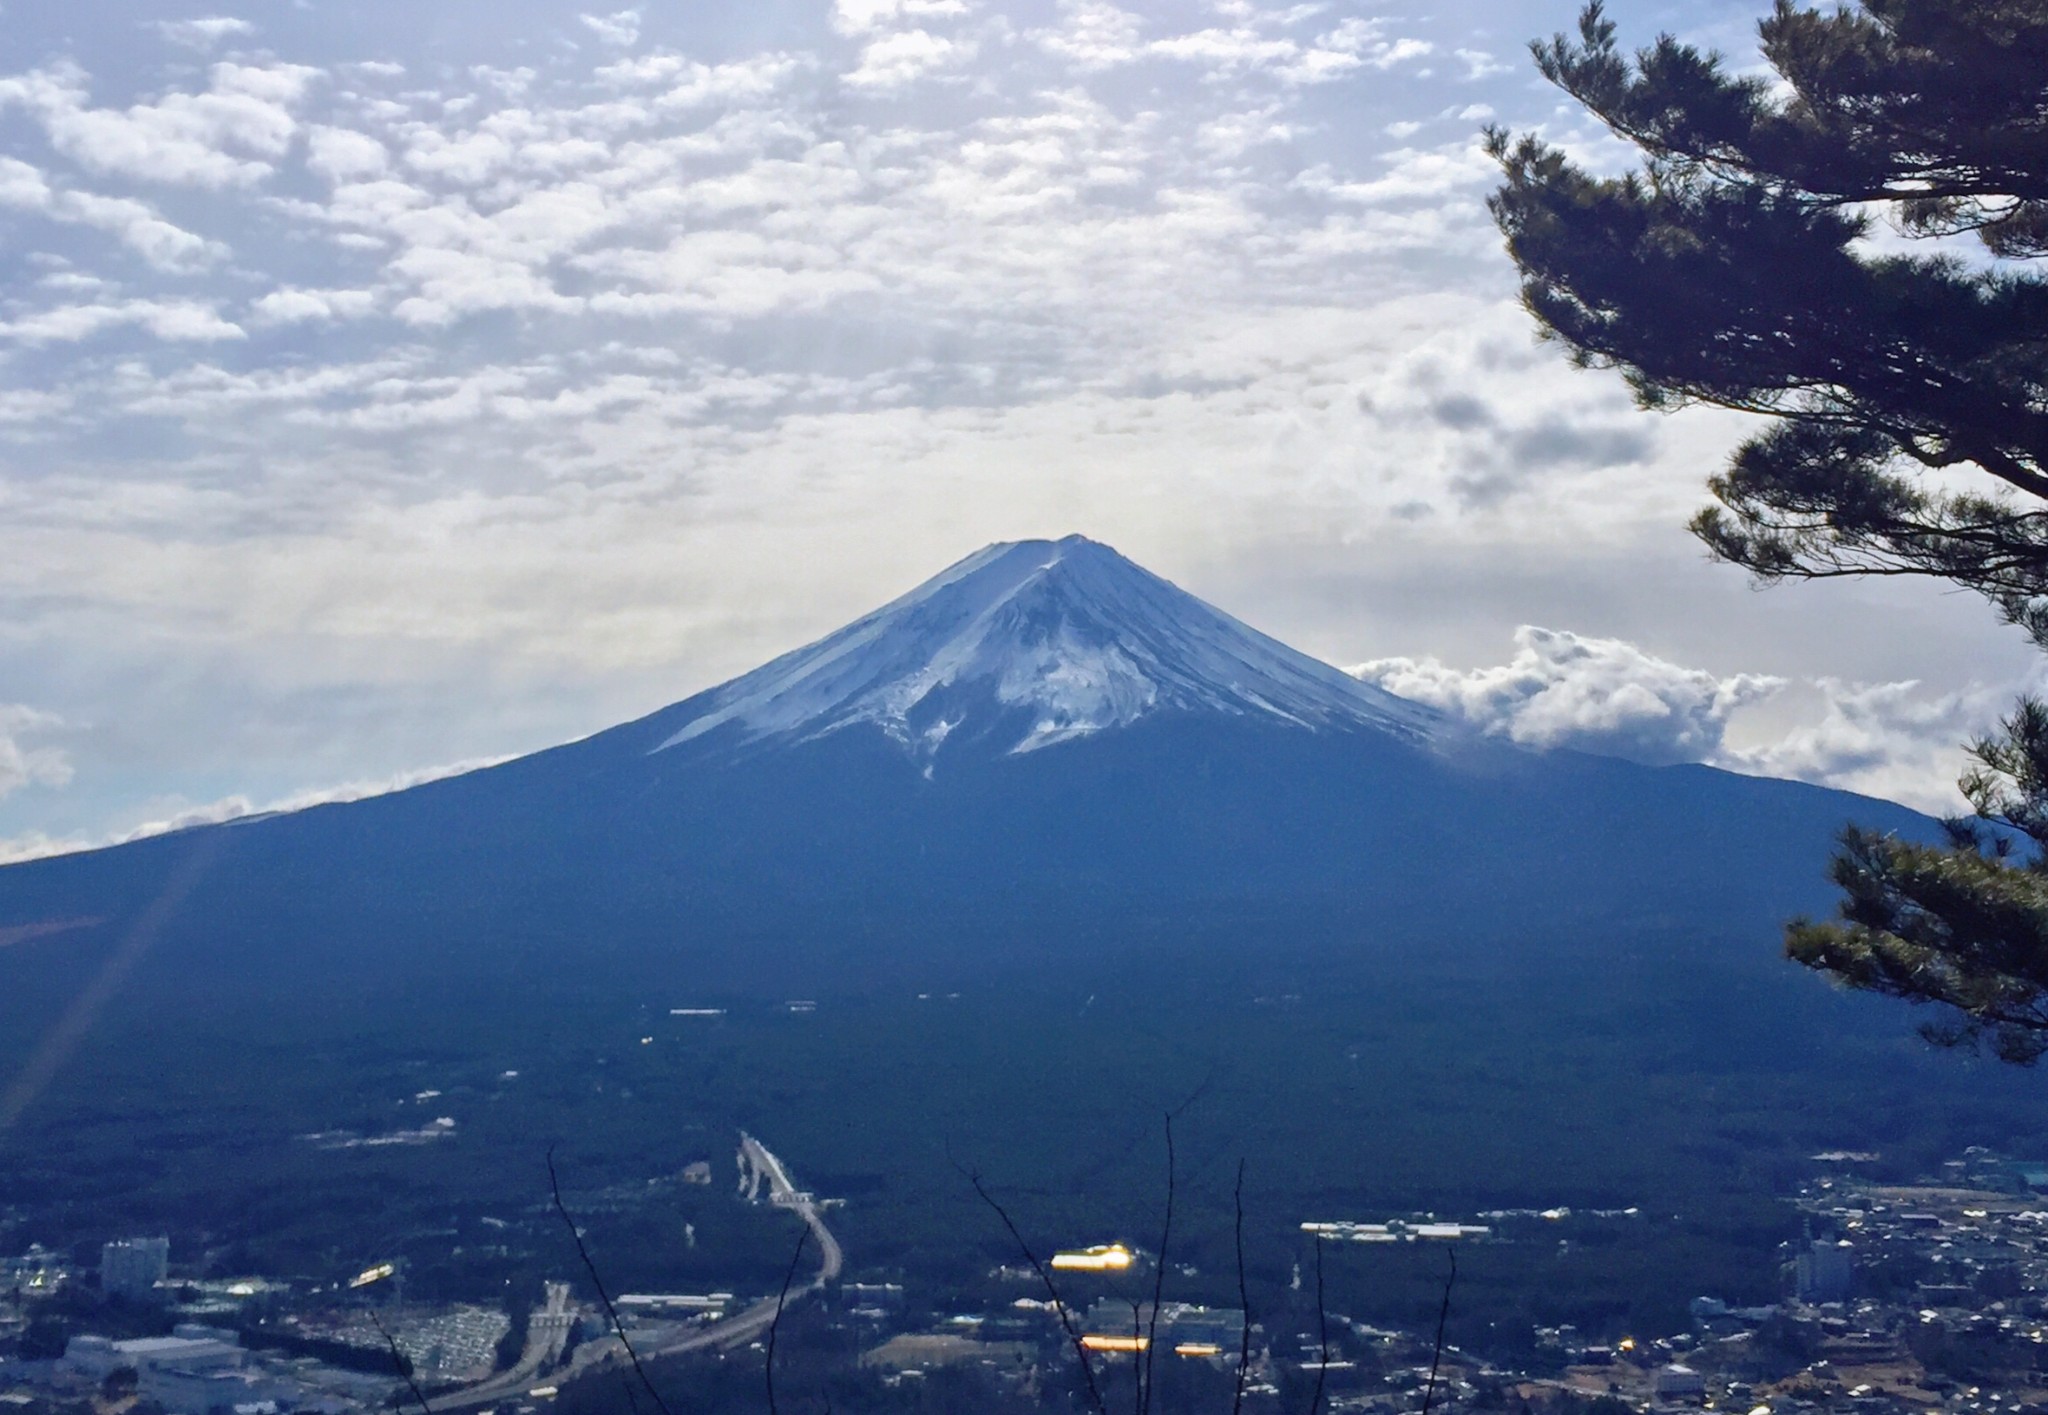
(132, 1267)
(190, 1349)
(1824, 1272)
(38, 1270)
(196, 1370)
(1182, 1328)
(1679, 1385)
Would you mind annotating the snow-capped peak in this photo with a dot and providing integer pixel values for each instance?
(1033, 642)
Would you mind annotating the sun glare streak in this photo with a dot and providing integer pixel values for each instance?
(69, 1030)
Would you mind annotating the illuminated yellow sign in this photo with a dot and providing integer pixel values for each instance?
(1116, 1343)
(1197, 1348)
(1104, 1258)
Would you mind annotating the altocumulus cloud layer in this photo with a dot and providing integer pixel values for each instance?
(394, 384)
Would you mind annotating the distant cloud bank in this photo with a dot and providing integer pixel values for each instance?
(37, 845)
(1598, 695)
(1609, 697)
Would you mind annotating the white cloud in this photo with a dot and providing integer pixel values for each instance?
(135, 224)
(1481, 65)
(342, 154)
(1354, 44)
(1092, 34)
(29, 405)
(292, 305)
(1234, 134)
(687, 83)
(1227, 49)
(1260, 44)
(202, 34)
(36, 845)
(175, 320)
(70, 324)
(230, 808)
(229, 135)
(864, 16)
(21, 763)
(906, 56)
(1597, 695)
(1400, 51)
(1898, 740)
(621, 28)
(1413, 174)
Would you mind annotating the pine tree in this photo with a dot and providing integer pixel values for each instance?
(1745, 265)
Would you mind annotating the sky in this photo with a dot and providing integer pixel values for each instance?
(386, 388)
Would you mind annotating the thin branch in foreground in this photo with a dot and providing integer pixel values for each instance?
(1315, 1401)
(555, 1188)
(1137, 1367)
(1158, 1276)
(1244, 1300)
(1443, 1315)
(775, 1323)
(399, 1360)
(1059, 1305)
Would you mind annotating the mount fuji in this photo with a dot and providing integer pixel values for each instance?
(1044, 731)
(1059, 639)
(1043, 847)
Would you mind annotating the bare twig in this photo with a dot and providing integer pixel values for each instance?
(1443, 1315)
(1158, 1276)
(782, 1298)
(1315, 1402)
(1052, 1292)
(1244, 1348)
(1137, 1366)
(398, 1359)
(555, 1187)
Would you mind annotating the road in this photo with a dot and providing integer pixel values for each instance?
(546, 1334)
(757, 1162)
(785, 1194)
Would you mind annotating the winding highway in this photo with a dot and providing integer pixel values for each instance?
(544, 1342)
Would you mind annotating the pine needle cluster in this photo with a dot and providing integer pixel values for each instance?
(1852, 246)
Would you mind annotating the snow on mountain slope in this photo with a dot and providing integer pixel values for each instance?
(1042, 641)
